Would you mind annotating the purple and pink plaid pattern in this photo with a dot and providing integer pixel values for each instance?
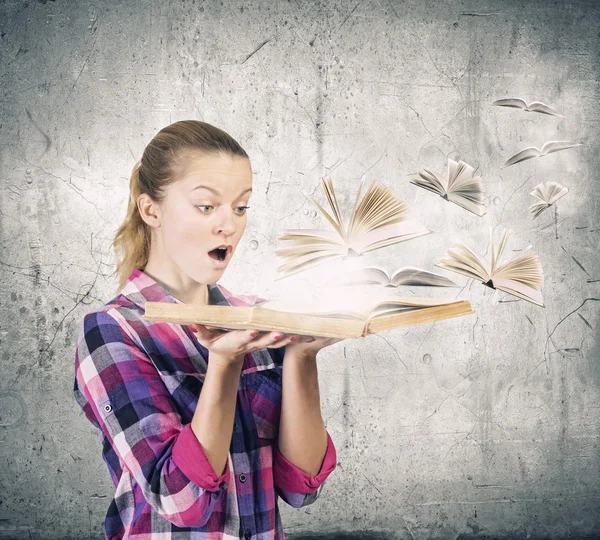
(138, 383)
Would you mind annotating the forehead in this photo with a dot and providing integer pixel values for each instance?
(221, 171)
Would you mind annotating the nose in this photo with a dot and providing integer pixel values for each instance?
(226, 222)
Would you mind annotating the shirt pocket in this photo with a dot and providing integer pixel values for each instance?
(263, 390)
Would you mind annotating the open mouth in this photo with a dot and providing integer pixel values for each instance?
(220, 253)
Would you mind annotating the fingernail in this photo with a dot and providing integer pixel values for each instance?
(278, 336)
(254, 334)
(294, 338)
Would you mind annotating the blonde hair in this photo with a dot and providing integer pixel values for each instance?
(157, 169)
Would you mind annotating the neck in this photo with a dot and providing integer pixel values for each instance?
(176, 283)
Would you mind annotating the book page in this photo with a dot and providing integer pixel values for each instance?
(528, 153)
(524, 267)
(306, 262)
(431, 180)
(468, 202)
(411, 275)
(354, 217)
(398, 232)
(419, 316)
(520, 290)
(379, 208)
(467, 256)
(555, 146)
(460, 173)
(338, 226)
(302, 247)
(335, 207)
(371, 274)
(323, 235)
(555, 192)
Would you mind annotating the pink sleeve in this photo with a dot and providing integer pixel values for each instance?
(192, 461)
(291, 479)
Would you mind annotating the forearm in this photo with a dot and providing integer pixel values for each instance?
(302, 436)
(212, 422)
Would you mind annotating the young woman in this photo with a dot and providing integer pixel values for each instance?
(202, 431)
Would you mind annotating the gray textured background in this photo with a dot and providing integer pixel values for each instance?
(477, 427)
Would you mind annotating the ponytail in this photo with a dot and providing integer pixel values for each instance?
(131, 242)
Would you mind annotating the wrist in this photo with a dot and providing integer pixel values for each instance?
(300, 356)
(225, 363)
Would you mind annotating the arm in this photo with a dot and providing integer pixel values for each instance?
(305, 455)
(176, 473)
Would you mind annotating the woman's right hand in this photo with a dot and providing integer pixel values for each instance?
(228, 347)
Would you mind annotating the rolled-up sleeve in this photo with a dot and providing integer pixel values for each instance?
(296, 487)
(137, 414)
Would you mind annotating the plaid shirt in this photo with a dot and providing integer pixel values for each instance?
(138, 383)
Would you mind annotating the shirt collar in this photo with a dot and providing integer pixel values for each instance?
(141, 288)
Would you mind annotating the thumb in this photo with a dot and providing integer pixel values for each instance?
(204, 332)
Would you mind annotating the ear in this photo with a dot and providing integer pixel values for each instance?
(149, 210)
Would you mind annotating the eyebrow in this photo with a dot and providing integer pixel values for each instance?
(218, 192)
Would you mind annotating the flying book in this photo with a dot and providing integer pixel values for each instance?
(521, 275)
(547, 194)
(378, 219)
(353, 318)
(534, 106)
(459, 186)
(405, 276)
(532, 151)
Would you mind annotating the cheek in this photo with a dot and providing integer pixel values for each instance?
(195, 231)
(185, 227)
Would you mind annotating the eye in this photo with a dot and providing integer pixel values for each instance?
(205, 206)
(243, 209)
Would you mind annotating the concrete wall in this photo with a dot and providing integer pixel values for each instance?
(477, 427)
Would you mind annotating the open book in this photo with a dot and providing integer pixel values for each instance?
(406, 275)
(546, 195)
(459, 186)
(520, 275)
(534, 106)
(378, 219)
(532, 151)
(350, 319)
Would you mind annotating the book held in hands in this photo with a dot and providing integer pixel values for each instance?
(333, 315)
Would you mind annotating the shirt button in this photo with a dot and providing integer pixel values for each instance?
(107, 407)
(242, 480)
(248, 535)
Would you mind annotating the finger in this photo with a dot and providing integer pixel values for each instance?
(286, 340)
(202, 331)
(268, 339)
(206, 333)
(250, 335)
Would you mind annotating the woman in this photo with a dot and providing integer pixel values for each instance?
(202, 430)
